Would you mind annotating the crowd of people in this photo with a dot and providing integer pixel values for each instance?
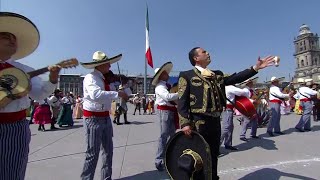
(201, 107)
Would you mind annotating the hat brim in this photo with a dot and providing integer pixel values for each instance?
(277, 79)
(26, 33)
(177, 144)
(165, 67)
(93, 64)
(253, 80)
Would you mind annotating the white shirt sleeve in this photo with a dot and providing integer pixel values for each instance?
(165, 95)
(276, 91)
(93, 89)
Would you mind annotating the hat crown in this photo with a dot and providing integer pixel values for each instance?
(273, 78)
(99, 56)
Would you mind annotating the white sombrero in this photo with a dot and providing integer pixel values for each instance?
(26, 33)
(273, 79)
(165, 67)
(100, 58)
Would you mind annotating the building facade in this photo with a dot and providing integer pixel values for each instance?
(307, 55)
(71, 83)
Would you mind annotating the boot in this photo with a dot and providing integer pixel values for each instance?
(52, 125)
(43, 129)
(125, 119)
(39, 128)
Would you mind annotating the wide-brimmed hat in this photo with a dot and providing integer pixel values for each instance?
(26, 33)
(253, 80)
(273, 79)
(188, 158)
(100, 58)
(165, 67)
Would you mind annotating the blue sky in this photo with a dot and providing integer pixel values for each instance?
(234, 32)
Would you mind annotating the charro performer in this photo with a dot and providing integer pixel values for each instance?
(276, 97)
(201, 101)
(227, 120)
(166, 110)
(97, 98)
(246, 121)
(19, 37)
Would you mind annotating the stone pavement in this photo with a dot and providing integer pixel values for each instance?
(59, 155)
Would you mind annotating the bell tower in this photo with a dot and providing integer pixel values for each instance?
(307, 55)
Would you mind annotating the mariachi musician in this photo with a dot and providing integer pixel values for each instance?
(201, 98)
(305, 95)
(246, 121)
(276, 97)
(19, 37)
(227, 120)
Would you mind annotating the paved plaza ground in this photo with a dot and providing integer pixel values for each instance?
(59, 155)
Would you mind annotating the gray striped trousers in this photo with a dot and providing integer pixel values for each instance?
(99, 134)
(14, 150)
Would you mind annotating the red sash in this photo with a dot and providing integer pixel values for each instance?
(174, 110)
(12, 117)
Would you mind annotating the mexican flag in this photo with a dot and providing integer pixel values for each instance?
(148, 50)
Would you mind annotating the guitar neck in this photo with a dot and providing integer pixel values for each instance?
(38, 72)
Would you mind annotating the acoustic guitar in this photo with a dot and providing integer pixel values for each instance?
(15, 83)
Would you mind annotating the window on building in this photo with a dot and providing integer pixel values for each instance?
(302, 63)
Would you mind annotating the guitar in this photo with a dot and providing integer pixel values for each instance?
(15, 83)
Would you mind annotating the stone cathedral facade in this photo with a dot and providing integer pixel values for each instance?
(307, 55)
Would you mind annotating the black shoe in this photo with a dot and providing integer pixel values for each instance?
(307, 129)
(299, 130)
(114, 121)
(255, 137)
(53, 128)
(119, 123)
(280, 133)
(231, 148)
(159, 167)
(127, 122)
(244, 139)
(60, 125)
(270, 134)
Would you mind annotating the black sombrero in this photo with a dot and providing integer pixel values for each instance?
(188, 158)
(26, 33)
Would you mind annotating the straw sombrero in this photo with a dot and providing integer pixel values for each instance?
(26, 33)
(165, 67)
(253, 80)
(100, 58)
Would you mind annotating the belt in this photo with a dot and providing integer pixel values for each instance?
(305, 100)
(229, 106)
(87, 113)
(164, 107)
(12, 117)
(276, 101)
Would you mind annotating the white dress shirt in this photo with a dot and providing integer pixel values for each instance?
(306, 92)
(163, 96)
(275, 90)
(39, 91)
(232, 91)
(95, 98)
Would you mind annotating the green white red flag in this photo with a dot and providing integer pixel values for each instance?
(148, 49)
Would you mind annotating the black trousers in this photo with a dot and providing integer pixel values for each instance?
(211, 132)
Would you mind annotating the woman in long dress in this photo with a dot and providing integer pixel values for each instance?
(42, 115)
(78, 112)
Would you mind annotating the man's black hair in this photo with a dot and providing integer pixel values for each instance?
(193, 52)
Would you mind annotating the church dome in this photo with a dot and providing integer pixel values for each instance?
(304, 29)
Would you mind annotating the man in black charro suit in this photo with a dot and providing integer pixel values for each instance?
(202, 98)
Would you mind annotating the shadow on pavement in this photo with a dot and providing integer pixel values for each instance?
(148, 175)
(272, 174)
(139, 123)
(267, 144)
